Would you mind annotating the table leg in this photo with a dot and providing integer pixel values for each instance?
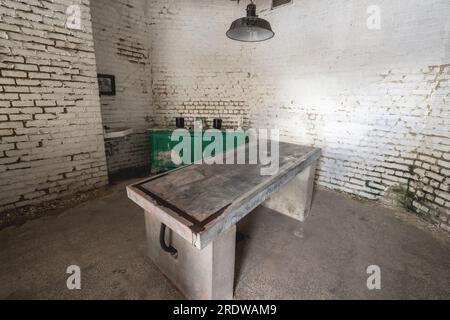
(294, 199)
(199, 274)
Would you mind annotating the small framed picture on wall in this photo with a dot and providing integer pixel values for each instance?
(106, 84)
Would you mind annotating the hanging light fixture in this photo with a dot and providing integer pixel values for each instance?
(250, 28)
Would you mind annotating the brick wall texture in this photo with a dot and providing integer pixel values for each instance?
(50, 122)
(122, 48)
(196, 70)
(375, 100)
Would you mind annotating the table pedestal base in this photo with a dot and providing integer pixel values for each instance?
(294, 199)
(206, 274)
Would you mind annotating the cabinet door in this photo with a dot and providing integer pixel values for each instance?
(161, 151)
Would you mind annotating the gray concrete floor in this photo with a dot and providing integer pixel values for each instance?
(276, 258)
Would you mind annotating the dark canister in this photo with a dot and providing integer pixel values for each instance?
(217, 124)
(180, 122)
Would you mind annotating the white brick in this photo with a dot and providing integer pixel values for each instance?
(28, 63)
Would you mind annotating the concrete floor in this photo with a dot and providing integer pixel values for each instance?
(277, 258)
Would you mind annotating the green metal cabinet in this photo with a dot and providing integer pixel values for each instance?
(161, 147)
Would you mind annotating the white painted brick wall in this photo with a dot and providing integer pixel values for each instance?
(50, 124)
(376, 101)
(196, 70)
(122, 48)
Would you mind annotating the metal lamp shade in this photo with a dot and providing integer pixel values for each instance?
(250, 28)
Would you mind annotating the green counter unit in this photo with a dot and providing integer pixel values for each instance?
(161, 146)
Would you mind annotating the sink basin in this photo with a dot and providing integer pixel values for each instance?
(117, 133)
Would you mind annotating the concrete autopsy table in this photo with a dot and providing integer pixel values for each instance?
(201, 204)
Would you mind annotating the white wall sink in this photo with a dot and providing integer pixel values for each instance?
(117, 133)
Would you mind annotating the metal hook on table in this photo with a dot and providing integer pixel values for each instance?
(162, 241)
